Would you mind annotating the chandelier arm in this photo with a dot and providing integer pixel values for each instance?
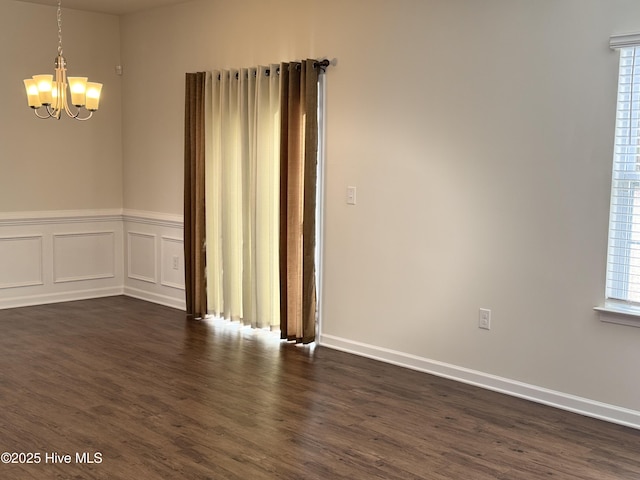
(35, 110)
(82, 119)
(53, 113)
(76, 115)
(69, 112)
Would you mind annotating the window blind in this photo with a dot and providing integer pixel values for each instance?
(623, 265)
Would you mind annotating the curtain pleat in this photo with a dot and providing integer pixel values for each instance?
(194, 196)
(309, 299)
(267, 176)
(231, 197)
(213, 180)
(298, 177)
(247, 83)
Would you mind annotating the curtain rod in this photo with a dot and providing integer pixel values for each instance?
(322, 65)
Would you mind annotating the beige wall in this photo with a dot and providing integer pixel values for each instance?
(58, 165)
(479, 136)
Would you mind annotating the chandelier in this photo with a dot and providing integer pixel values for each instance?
(49, 97)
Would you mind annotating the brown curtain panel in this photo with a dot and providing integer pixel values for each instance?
(194, 199)
(298, 176)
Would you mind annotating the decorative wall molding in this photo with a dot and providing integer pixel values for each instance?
(10, 219)
(85, 216)
(21, 259)
(141, 256)
(152, 275)
(153, 218)
(58, 256)
(571, 403)
(55, 256)
(83, 256)
(172, 249)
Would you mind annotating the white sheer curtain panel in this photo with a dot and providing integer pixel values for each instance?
(242, 151)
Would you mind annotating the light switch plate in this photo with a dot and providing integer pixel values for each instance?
(351, 195)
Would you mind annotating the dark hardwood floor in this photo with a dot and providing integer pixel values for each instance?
(147, 395)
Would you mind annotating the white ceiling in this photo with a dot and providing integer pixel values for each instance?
(115, 7)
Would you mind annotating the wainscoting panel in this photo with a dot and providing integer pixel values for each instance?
(21, 260)
(172, 262)
(142, 256)
(58, 256)
(83, 256)
(155, 257)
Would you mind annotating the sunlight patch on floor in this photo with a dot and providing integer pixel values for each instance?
(266, 335)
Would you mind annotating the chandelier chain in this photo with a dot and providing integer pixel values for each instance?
(59, 28)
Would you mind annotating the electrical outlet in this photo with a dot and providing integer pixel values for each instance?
(484, 319)
(176, 262)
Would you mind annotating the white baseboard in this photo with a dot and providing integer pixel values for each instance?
(67, 296)
(564, 401)
(155, 298)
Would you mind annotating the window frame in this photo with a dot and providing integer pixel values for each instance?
(623, 232)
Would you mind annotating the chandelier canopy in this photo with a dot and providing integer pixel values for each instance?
(49, 97)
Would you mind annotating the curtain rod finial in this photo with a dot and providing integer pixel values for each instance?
(323, 64)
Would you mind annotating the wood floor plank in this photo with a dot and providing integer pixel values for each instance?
(160, 397)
